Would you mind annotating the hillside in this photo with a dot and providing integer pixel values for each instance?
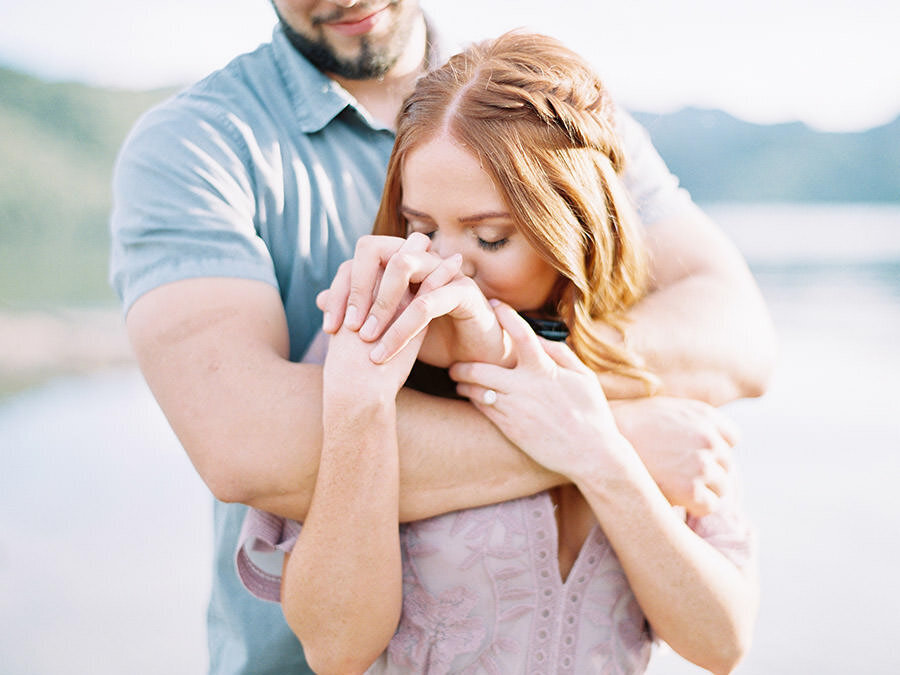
(60, 142)
(723, 159)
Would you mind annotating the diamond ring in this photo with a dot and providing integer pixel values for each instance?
(490, 397)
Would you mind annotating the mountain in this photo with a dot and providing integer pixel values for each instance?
(723, 159)
(59, 142)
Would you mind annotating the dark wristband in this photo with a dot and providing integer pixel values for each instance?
(549, 329)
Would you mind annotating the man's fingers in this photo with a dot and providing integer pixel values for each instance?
(704, 501)
(716, 477)
(728, 429)
(724, 457)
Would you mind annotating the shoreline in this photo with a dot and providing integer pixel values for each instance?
(38, 345)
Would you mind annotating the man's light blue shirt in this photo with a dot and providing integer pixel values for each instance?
(265, 170)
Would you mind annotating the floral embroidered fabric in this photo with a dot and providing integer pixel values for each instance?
(482, 591)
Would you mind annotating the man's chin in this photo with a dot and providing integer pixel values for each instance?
(356, 62)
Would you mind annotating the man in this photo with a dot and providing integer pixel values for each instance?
(234, 204)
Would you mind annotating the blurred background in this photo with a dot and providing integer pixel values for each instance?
(781, 118)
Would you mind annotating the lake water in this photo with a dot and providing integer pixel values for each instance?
(105, 528)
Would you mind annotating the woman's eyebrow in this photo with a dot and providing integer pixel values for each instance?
(474, 218)
(406, 211)
(486, 215)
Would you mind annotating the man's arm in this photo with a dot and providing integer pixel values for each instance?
(703, 329)
(214, 353)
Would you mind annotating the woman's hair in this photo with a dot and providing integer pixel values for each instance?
(541, 123)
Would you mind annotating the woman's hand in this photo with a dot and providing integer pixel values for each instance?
(373, 286)
(394, 289)
(351, 379)
(550, 404)
(461, 325)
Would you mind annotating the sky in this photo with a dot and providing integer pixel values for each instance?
(833, 64)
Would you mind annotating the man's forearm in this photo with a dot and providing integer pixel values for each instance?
(214, 352)
(705, 338)
(451, 458)
(703, 330)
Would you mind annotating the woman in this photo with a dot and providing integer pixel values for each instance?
(507, 161)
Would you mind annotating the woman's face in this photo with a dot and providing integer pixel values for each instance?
(451, 198)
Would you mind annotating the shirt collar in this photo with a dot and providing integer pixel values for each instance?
(315, 97)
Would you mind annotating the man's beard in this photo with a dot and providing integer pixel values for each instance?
(372, 61)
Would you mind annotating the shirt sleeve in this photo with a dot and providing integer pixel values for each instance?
(259, 558)
(183, 203)
(654, 189)
(728, 530)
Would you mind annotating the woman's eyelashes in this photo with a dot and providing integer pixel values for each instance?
(426, 232)
(486, 244)
(492, 245)
(495, 239)
(421, 228)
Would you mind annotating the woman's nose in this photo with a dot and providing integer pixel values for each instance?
(446, 246)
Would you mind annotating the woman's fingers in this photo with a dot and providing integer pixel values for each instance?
(408, 266)
(371, 256)
(481, 383)
(416, 316)
(531, 347)
(442, 275)
(563, 355)
(529, 351)
(333, 302)
(481, 396)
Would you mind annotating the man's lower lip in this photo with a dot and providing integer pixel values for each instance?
(358, 27)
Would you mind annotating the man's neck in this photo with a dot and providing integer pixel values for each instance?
(384, 96)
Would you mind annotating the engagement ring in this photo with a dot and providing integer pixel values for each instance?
(490, 397)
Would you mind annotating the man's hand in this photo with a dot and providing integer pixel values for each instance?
(686, 446)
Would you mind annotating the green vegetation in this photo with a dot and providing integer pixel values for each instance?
(59, 145)
(60, 141)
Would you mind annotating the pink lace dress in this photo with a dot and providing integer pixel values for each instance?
(482, 591)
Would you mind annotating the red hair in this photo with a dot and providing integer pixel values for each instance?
(542, 125)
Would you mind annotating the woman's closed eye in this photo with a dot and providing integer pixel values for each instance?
(493, 245)
(421, 228)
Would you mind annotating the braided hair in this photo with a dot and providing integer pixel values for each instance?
(543, 126)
